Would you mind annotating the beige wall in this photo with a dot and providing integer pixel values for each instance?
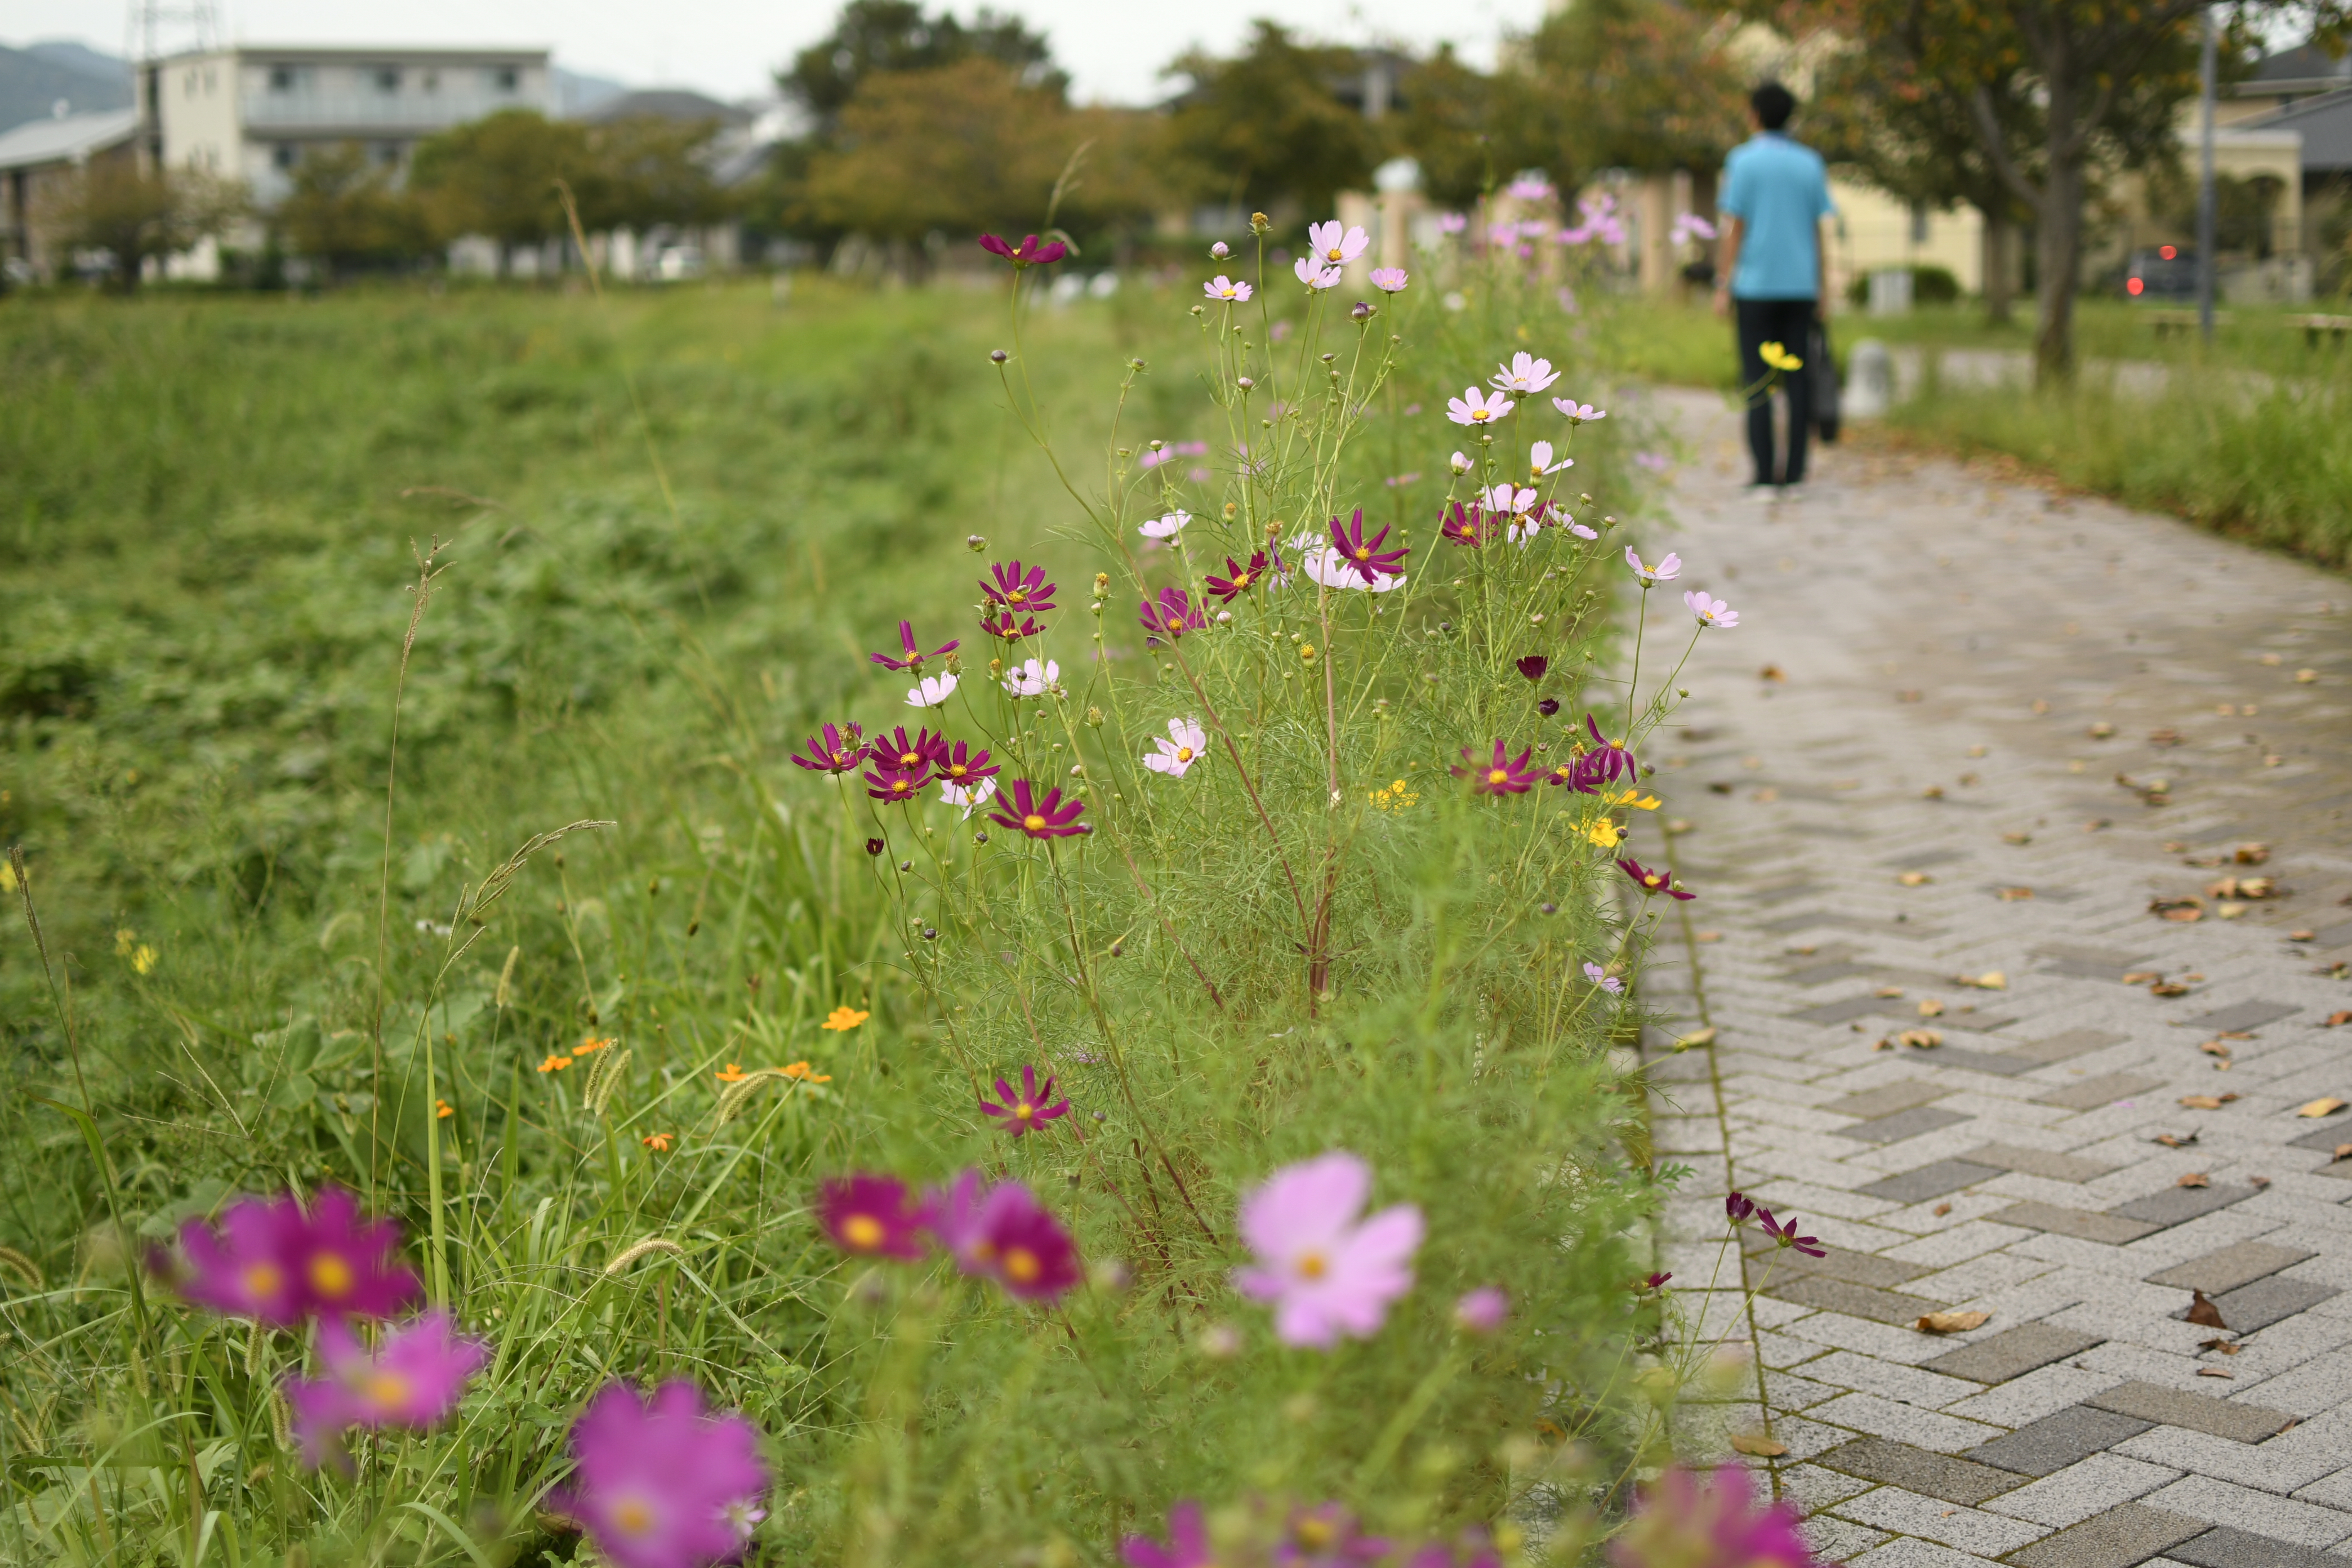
(1873, 230)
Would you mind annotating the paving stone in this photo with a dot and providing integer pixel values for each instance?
(1843, 1011)
(2037, 1163)
(2266, 1301)
(2050, 1445)
(2281, 1518)
(2173, 1407)
(2000, 1064)
(2175, 1205)
(1910, 1551)
(1835, 1539)
(1915, 1469)
(2224, 1547)
(1854, 1300)
(1929, 1429)
(2089, 1226)
(1962, 1528)
(2012, 1352)
(2215, 1272)
(2128, 1534)
(2245, 1015)
(1903, 1124)
(1929, 1182)
(2089, 1486)
(2334, 1130)
(1841, 1263)
(2066, 1047)
(2093, 1093)
(1888, 1098)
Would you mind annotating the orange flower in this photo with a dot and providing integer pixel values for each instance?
(843, 1019)
(441, 1111)
(591, 1044)
(732, 1075)
(658, 1143)
(555, 1063)
(803, 1070)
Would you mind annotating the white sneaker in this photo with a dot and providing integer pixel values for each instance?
(1792, 494)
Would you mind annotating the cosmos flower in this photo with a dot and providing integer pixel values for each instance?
(1220, 250)
(1389, 279)
(414, 1379)
(1027, 1111)
(1366, 556)
(1239, 579)
(656, 1480)
(971, 796)
(1002, 1233)
(1738, 1208)
(1327, 1273)
(915, 655)
(1533, 665)
(1581, 531)
(1500, 774)
(930, 691)
(1539, 463)
(838, 750)
(902, 785)
(872, 1215)
(1187, 1547)
(1029, 253)
(1577, 413)
(1016, 590)
(243, 1272)
(898, 749)
(1520, 508)
(1327, 1536)
(1650, 881)
(1663, 571)
(1609, 759)
(1466, 525)
(1481, 1310)
(1459, 463)
(1032, 679)
(1681, 1518)
(1689, 227)
(1172, 617)
(1602, 978)
(1331, 246)
(1452, 223)
(1786, 1235)
(1326, 565)
(343, 1264)
(1045, 816)
(1316, 277)
(1524, 374)
(1186, 743)
(1223, 288)
(962, 764)
(1530, 187)
(1475, 407)
(1711, 611)
(1007, 628)
(1165, 527)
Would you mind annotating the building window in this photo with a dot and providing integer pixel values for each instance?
(387, 155)
(506, 79)
(284, 78)
(432, 82)
(1918, 223)
(386, 79)
(284, 156)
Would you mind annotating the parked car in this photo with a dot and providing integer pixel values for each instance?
(680, 262)
(2162, 272)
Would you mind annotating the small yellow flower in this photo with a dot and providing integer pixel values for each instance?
(658, 1143)
(441, 1112)
(142, 959)
(732, 1075)
(1606, 833)
(1396, 797)
(844, 1019)
(8, 872)
(556, 1062)
(591, 1044)
(1307, 652)
(1636, 799)
(1779, 357)
(124, 941)
(803, 1070)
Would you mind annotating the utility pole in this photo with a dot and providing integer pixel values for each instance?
(2205, 259)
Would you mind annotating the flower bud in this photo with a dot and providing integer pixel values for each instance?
(997, 356)
(1220, 250)
(875, 846)
(954, 663)
(1360, 311)
(1244, 383)
(1483, 1311)
(1102, 583)
(1260, 223)
(1093, 717)
(980, 836)
(975, 542)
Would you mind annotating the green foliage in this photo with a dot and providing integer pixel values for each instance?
(873, 38)
(498, 176)
(1650, 85)
(1267, 123)
(346, 210)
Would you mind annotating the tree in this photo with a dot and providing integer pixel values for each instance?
(873, 37)
(1469, 131)
(1648, 85)
(131, 213)
(1266, 124)
(651, 170)
(345, 211)
(497, 175)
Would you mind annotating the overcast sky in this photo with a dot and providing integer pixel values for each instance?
(1113, 49)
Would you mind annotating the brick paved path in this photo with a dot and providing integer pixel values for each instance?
(1954, 651)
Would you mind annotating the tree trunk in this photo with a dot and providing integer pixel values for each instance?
(2058, 243)
(1998, 233)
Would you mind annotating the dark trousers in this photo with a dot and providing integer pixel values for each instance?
(1790, 323)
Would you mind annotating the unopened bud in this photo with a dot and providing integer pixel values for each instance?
(1220, 250)
(975, 542)
(1244, 383)
(1093, 717)
(1360, 311)
(1259, 224)
(1102, 583)
(997, 356)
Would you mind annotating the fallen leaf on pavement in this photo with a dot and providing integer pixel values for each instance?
(2215, 1372)
(1696, 1038)
(2338, 1020)
(1770, 672)
(2164, 737)
(1757, 1446)
(2253, 854)
(2203, 1313)
(2142, 976)
(1991, 980)
(1920, 1039)
(1707, 936)
(2206, 1101)
(2168, 988)
(2214, 1048)
(2225, 1346)
(2327, 1107)
(2343, 1151)
(2015, 895)
(1890, 991)
(2306, 677)
(1915, 879)
(2100, 731)
(2244, 888)
(2194, 1179)
(2258, 1183)
(2174, 1140)
(2017, 838)
(1951, 1322)
(1942, 1209)
(2177, 909)
(2301, 935)
(1933, 792)
(1930, 1007)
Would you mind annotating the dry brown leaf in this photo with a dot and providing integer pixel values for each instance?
(2017, 838)
(2337, 1020)
(1696, 1038)
(2164, 737)
(2258, 1183)
(1770, 672)
(2142, 976)
(2206, 1101)
(1889, 992)
(1942, 1209)
(2215, 1372)
(1991, 980)
(2301, 935)
(2343, 1151)
(2100, 731)
(2326, 1107)
(2306, 677)
(1884, 1044)
(1915, 879)
(1951, 1322)
(2015, 895)
(1930, 1007)
(1707, 936)
(1920, 1039)
(2177, 908)
(2194, 1179)
(1758, 1446)
(2203, 1313)
(1933, 792)
(2168, 988)
(2214, 1048)
(2041, 705)
(2273, 659)
(2225, 1346)
(2252, 854)
(2174, 1140)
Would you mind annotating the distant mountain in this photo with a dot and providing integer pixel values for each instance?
(34, 79)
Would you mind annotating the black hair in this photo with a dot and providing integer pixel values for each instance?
(1773, 104)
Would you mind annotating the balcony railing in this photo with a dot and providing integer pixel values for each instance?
(405, 110)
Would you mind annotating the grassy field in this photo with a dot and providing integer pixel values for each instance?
(659, 540)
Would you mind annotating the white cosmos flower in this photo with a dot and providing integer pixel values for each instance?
(1187, 743)
(1032, 677)
(1165, 527)
(1524, 374)
(1223, 288)
(971, 796)
(1332, 246)
(1474, 408)
(1314, 277)
(932, 690)
(1460, 464)
(1539, 461)
(1333, 570)
(1661, 572)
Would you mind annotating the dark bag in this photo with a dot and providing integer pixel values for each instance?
(1822, 365)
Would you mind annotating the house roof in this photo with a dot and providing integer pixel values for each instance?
(667, 103)
(2303, 68)
(66, 139)
(2325, 123)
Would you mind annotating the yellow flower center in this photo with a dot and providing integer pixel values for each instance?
(1017, 596)
(1243, 580)
(862, 1231)
(1315, 1534)
(387, 1388)
(1023, 1112)
(956, 770)
(632, 1516)
(909, 759)
(330, 1275)
(898, 787)
(1313, 1265)
(1021, 1264)
(1033, 823)
(1333, 253)
(263, 1279)
(1183, 753)
(1363, 553)
(1477, 414)
(1498, 775)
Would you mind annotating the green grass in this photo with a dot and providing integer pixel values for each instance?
(215, 506)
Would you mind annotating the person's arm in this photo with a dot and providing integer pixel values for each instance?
(1822, 258)
(1726, 263)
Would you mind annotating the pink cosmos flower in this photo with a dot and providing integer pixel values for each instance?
(1002, 1233)
(1032, 679)
(1524, 374)
(1389, 279)
(1602, 978)
(1682, 1519)
(1689, 227)
(1027, 1111)
(656, 1478)
(1188, 1542)
(1166, 527)
(1483, 1311)
(872, 1215)
(1331, 246)
(1316, 276)
(414, 1379)
(1711, 611)
(837, 751)
(915, 655)
(1577, 413)
(1539, 463)
(1475, 407)
(1223, 288)
(1365, 556)
(1327, 1273)
(1029, 253)
(1459, 463)
(1530, 187)
(1186, 743)
(1500, 774)
(1663, 572)
(1173, 615)
(1452, 223)
(1040, 816)
(930, 691)
(276, 1264)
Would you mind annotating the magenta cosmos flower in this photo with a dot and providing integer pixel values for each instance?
(1039, 817)
(1467, 525)
(1786, 1235)
(1362, 556)
(1738, 1208)
(1711, 611)
(1006, 627)
(896, 751)
(1028, 253)
(243, 1270)
(1187, 1546)
(1610, 759)
(1002, 1233)
(904, 785)
(1533, 665)
(414, 1379)
(1389, 279)
(838, 750)
(276, 1264)
(1016, 590)
(1028, 1110)
(1682, 1519)
(1327, 1536)
(1172, 617)
(660, 1480)
(1650, 881)
(872, 1215)
(1500, 774)
(1239, 579)
(962, 766)
(1327, 1273)
(912, 654)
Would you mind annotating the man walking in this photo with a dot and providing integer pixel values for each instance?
(1773, 276)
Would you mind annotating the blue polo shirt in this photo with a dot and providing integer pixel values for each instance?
(1779, 191)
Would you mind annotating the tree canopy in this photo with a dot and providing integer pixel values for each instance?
(877, 38)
